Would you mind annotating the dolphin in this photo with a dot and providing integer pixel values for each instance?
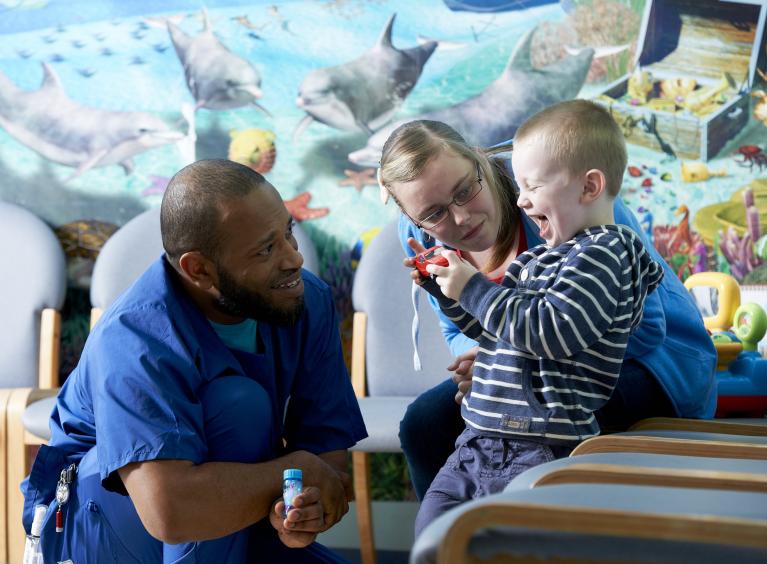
(362, 95)
(494, 114)
(63, 131)
(217, 78)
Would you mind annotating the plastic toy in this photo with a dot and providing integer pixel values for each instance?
(736, 331)
(431, 256)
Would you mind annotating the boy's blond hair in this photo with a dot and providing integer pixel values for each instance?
(579, 135)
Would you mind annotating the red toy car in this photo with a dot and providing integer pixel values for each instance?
(431, 256)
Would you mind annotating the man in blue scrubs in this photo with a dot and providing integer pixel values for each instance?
(218, 369)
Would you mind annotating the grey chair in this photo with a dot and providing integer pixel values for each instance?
(635, 497)
(32, 292)
(382, 361)
(601, 522)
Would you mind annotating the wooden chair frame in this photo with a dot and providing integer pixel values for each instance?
(361, 460)
(592, 473)
(14, 439)
(731, 427)
(663, 445)
(681, 527)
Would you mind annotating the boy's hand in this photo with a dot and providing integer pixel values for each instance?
(409, 262)
(452, 278)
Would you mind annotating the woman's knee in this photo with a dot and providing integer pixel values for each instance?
(433, 409)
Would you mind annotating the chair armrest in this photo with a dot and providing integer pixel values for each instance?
(592, 473)
(453, 546)
(662, 445)
(702, 425)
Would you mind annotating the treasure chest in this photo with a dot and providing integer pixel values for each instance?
(690, 91)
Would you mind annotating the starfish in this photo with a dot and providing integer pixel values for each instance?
(359, 179)
(300, 210)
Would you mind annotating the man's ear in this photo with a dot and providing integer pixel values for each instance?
(198, 269)
(594, 185)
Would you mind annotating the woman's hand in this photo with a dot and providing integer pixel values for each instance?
(304, 521)
(462, 368)
(409, 262)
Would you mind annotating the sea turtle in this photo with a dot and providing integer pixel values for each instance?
(82, 240)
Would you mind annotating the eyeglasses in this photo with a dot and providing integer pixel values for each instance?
(461, 198)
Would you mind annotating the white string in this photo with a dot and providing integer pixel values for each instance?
(415, 295)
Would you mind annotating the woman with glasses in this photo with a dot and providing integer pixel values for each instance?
(454, 195)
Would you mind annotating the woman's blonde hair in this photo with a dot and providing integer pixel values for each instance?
(411, 147)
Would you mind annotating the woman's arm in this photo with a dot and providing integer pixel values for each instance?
(652, 330)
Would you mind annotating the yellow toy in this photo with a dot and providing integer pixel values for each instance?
(741, 377)
(697, 172)
(254, 148)
(728, 293)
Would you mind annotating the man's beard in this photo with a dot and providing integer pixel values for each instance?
(238, 301)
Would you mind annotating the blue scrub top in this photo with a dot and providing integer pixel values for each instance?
(138, 385)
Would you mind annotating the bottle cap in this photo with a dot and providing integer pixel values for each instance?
(38, 520)
(292, 474)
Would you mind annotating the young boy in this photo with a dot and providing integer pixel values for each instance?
(553, 334)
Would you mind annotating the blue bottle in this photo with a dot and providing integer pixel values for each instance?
(291, 486)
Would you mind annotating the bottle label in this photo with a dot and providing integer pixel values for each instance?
(290, 489)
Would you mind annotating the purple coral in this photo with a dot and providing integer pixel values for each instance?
(739, 251)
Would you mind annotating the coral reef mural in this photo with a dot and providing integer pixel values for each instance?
(100, 103)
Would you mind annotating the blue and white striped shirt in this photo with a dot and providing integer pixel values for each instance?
(553, 334)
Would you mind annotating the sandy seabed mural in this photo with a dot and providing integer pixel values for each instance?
(101, 102)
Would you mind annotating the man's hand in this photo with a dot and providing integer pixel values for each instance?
(328, 474)
(302, 524)
(462, 368)
(452, 278)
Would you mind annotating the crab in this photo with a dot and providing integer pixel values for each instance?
(752, 155)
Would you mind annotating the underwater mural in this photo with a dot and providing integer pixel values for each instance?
(101, 102)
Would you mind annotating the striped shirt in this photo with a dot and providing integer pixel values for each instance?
(553, 334)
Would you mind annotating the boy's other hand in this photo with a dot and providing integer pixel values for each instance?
(452, 278)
